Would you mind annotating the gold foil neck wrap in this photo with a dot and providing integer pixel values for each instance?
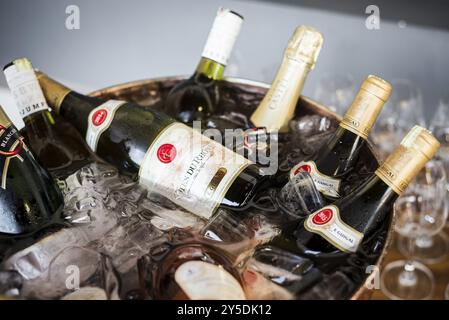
(367, 104)
(417, 147)
(54, 92)
(278, 106)
(5, 122)
(377, 87)
(422, 140)
(305, 45)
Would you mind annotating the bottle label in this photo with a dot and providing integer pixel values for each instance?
(191, 170)
(99, 121)
(327, 223)
(11, 146)
(222, 36)
(326, 185)
(205, 281)
(26, 90)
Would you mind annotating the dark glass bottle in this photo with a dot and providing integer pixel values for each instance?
(149, 145)
(30, 200)
(336, 158)
(56, 144)
(198, 97)
(342, 226)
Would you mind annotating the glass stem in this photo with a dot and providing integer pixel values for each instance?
(407, 277)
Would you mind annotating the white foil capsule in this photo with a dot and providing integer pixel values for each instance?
(222, 36)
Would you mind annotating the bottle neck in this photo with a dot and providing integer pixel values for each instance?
(44, 115)
(54, 91)
(73, 106)
(209, 69)
(340, 153)
(279, 104)
(368, 205)
(376, 190)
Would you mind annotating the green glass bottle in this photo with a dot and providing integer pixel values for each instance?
(340, 154)
(166, 156)
(343, 225)
(197, 98)
(29, 198)
(56, 144)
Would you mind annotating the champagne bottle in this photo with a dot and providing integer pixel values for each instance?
(194, 271)
(338, 156)
(343, 225)
(278, 106)
(57, 145)
(29, 198)
(166, 156)
(198, 97)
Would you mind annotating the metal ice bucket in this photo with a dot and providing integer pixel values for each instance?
(147, 92)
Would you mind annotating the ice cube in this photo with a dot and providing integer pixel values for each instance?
(10, 283)
(257, 287)
(333, 287)
(309, 125)
(292, 272)
(128, 241)
(228, 227)
(52, 275)
(310, 132)
(299, 197)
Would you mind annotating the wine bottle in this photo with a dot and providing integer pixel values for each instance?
(29, 198)
(197, 98)
(278, 106)
(343, 225)
(166, 156)
(56, 144)
(338, 156)
(191, 271)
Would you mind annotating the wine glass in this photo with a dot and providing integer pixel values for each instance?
(335, 91)
(429, 186)
(439, 126)
(403, 110)
(408, 279)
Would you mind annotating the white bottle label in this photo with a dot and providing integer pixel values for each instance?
(327, 223)
(222, 36)
(205, 281)
(326, 185)
(99, 121)
(190, 169)
(26, 90)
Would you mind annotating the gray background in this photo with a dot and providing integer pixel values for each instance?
(121, 41)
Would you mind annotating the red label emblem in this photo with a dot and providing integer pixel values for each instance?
(322, 217)
(99, 116)
(166, 153)
(303, 168)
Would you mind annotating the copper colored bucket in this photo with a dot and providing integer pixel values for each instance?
(147, 92)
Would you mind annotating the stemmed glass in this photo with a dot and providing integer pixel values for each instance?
(403, 110)
(408, 279)
(431, 245)
(335, 91)
(440, 128)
